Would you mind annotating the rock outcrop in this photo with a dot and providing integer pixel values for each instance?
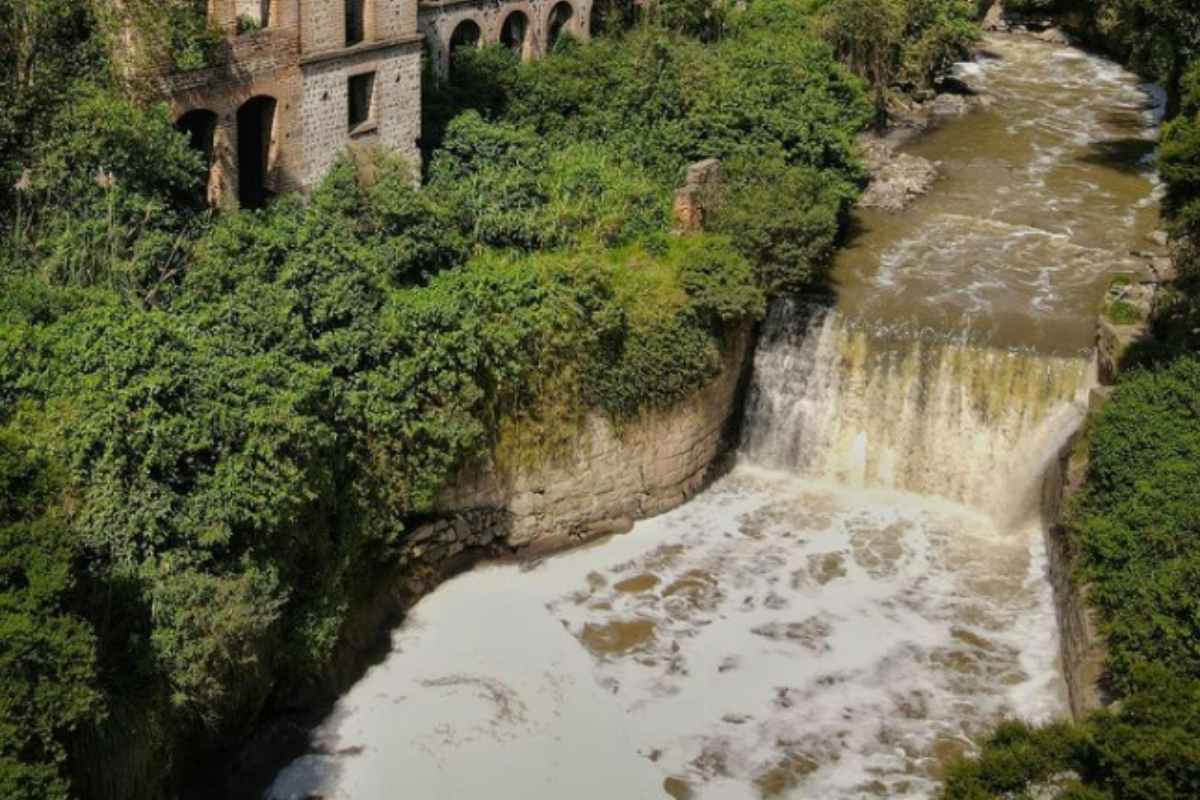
(611, 477)
(1081, 647)
(695, 200)
(896, 178)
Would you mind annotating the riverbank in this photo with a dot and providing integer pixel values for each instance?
(599, 485)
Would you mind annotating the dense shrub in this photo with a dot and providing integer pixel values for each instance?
(1145, 750)
(784, 219)
(511, 189)
(45, 47)
(47, 650)
(900, 42)
(109, 196)
(1179, 160)
(1137, 523)
(662, 100)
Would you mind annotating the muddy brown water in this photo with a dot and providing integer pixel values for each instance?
(1044, 195)
(864, 596)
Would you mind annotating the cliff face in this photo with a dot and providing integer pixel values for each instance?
(1081, 648)
(611, 477)
(605, 482)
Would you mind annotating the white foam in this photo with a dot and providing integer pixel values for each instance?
(841, 629)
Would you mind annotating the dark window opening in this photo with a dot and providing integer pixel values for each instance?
(253, 15)
(256, 123)
(362, 88)
(465, 37)
(200, 126)
(356, 22)
(560, 16)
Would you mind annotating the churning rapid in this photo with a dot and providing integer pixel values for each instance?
(864, 596)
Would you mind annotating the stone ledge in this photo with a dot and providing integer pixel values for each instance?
(317, 57)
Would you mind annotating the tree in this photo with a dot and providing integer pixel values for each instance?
(866, 34)
(1162, 37)
(47, 651)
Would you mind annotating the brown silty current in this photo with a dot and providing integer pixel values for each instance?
(1045, 193)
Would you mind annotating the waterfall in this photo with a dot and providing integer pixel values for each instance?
(846, 402)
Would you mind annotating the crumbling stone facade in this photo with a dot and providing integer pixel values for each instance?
(529, 27)
(295, 83)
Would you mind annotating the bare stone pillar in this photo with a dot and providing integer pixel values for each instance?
(222, 177)
(696, 199)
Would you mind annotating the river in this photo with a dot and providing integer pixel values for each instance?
(864, 595)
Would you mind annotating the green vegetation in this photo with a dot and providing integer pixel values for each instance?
(215, 430)
(905, 43)
(1146, 749)
(1122, 312)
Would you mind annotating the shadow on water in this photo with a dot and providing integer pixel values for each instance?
(246, 771)
(1124, 155)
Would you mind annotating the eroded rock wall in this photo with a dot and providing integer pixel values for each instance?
(1081, 646)
(611, 477)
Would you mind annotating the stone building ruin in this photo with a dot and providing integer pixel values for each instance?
(528, 27)
(296, 82)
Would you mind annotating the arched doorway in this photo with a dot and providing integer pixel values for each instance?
(556, 23)
(466, 35)
(514, 34)
(255, 137)
(200, 126)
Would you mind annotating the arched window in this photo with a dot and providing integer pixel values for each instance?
(466, 35)
(514, 32)
(558, 20)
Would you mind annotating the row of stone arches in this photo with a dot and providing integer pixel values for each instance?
(240, 158)
(529, 28)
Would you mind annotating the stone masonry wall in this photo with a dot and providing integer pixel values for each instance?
(302, 61)
(611, 478)
(438, 19)
(396, 105)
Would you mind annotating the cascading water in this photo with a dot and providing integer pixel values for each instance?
(863, 406)
(865, 595)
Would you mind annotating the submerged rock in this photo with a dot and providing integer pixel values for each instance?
(1053, 35)
(949, 105)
